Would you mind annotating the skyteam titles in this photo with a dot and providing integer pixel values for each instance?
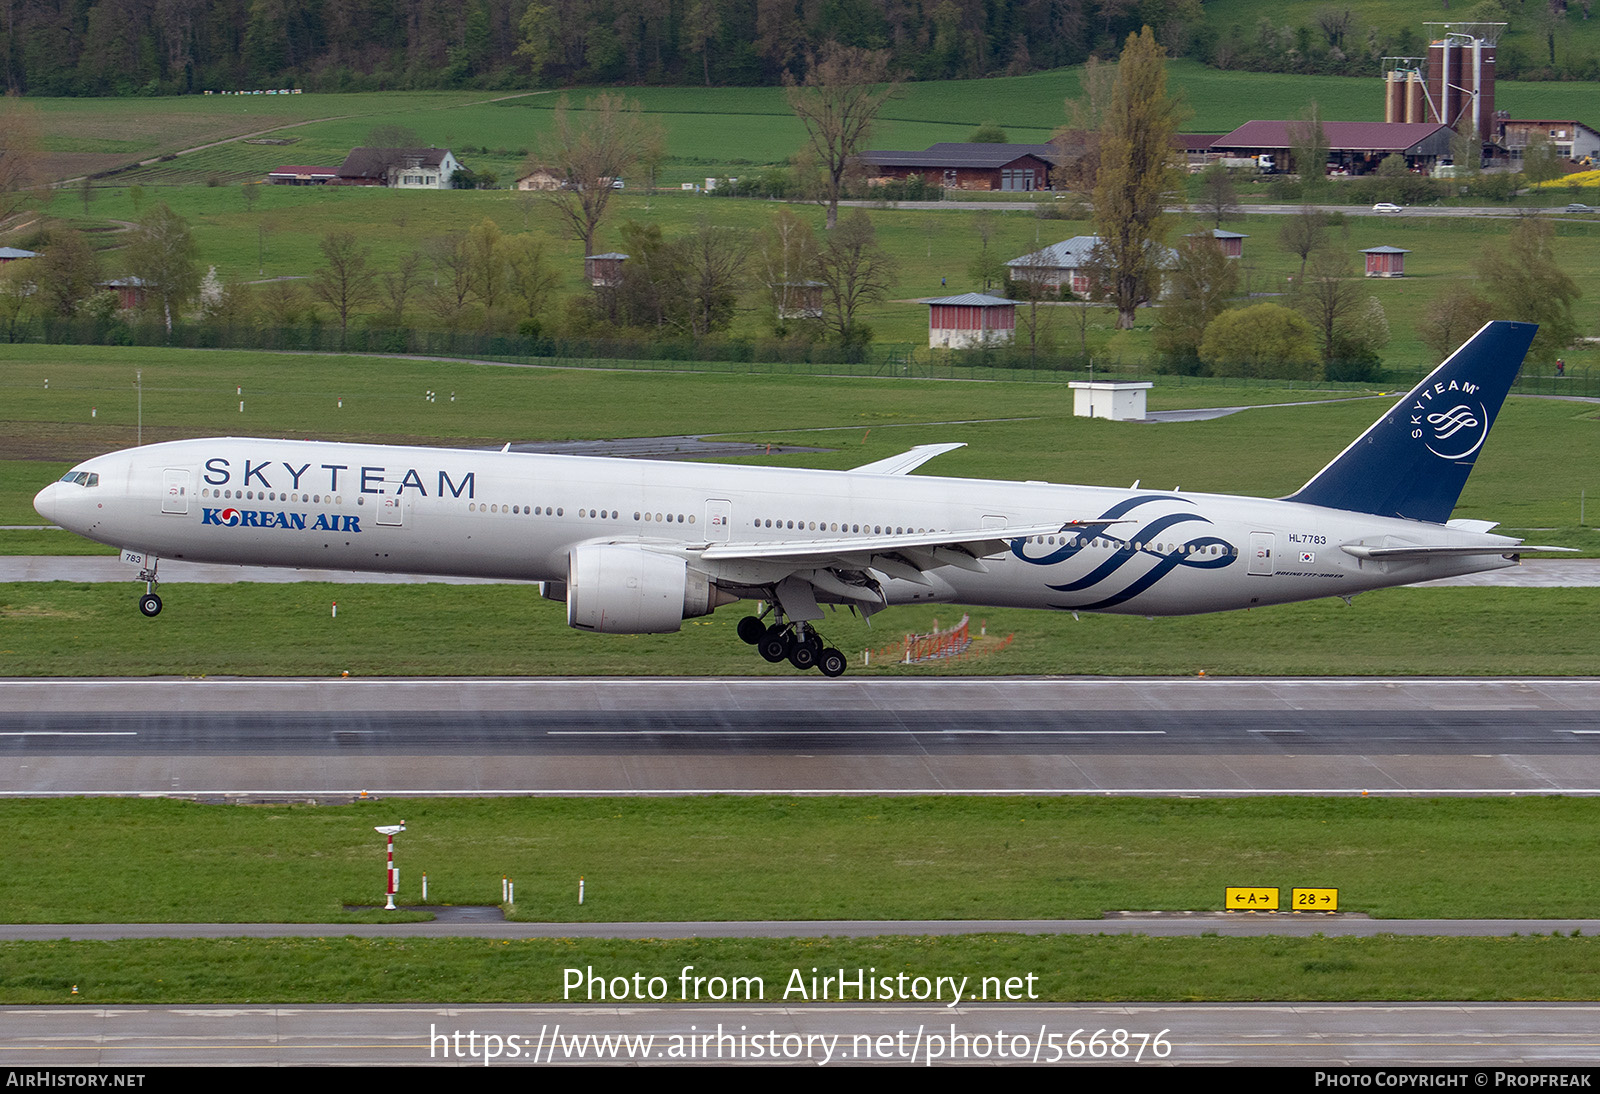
(818, 985)
(333, 477)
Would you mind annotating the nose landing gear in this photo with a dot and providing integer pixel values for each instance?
(796, 642)
(149, 602)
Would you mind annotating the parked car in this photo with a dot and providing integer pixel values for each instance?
(1386, 207)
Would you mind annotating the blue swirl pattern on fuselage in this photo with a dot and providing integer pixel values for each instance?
(1185, 554)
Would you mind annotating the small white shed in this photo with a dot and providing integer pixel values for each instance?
(1121, 402)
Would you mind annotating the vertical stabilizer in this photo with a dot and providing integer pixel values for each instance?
(1414, 461)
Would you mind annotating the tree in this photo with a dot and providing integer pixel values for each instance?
(1526, 282)
(162, 254)
(1078, 142)
(787, 258)
(1330, 296)
(1308, 147)
(486, 250)
(1218, 197)
(1265, 340)
(67, 273)
(399, 283)
(714, 260)
(1303, 234)
(1203, 282)
(857, 271)
(1137, 176)
(988, 133)
(837, 102)
(589, 153)
(529, 278)
(1031, 279)
(1541, 163)
(1452, 318)
(452, 277)
(986, 267)
(345, 283)
(22, 179)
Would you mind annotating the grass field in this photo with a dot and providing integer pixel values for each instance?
(1068, 969)
(66, 629)
(772, 857)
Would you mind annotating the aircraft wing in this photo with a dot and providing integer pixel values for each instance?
(906, 555)
(906, 462)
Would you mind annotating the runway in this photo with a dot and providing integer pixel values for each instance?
(331, 739)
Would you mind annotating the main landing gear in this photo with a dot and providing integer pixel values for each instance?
(149, 602)
(797, 643)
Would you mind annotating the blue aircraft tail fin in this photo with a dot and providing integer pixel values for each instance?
(1414, 461)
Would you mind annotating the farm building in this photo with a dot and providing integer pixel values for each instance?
(540, 179)
(971, 320)
(302, 176)
(1573, 140)
(1386, 261)
(11, 254)
(130, 291)
(401, 168)
(799, 299)
(1069, 264)
(1354, 147)
(969, 166)
(1232, 243)
(604, 271)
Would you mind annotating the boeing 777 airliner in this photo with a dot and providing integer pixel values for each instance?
(639, 546)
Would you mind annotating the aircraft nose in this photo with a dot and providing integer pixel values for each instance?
(44, 502)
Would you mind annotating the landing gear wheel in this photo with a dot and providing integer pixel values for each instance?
(831, 662)
(150, 604)
(776, 642)
(804, 654)
(752, 630)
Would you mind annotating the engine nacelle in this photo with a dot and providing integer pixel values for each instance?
(619, 588)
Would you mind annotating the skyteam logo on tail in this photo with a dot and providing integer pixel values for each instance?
(1462, 427)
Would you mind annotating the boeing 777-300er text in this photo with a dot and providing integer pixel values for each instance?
(636, 546)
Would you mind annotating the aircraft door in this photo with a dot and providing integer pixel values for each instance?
(1262, 546)
(392, 511)
(719, 520)
(175, 490)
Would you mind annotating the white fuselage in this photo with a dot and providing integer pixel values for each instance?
(521, 516)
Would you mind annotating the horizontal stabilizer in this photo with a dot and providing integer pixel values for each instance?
(1404, 554)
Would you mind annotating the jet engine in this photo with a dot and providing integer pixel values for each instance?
(619, 588)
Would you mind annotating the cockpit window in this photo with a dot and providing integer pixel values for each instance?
(82, 478)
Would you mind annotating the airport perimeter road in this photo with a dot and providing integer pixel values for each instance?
(1475, 1037)
(333, 738)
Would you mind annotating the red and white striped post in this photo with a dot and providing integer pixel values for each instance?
(392, 873)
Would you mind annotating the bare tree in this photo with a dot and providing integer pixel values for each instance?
(344, 283)
(452, 277)
(1303, 234)
(67, 273)
(1078, 142)
(714, 260)
(1218, 197)
(1330, 297)
(21, 152)
(1308, 147)
(529, 277)
(857, 271)
(788, 260)
(589, 151)
(1032, 275)
(486, 250)
(1451, 318)
(837, 102)
(399, 283)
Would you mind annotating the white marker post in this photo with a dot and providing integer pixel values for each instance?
(580, 889)
(392, 874)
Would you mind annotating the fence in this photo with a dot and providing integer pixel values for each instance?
(678, 354)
